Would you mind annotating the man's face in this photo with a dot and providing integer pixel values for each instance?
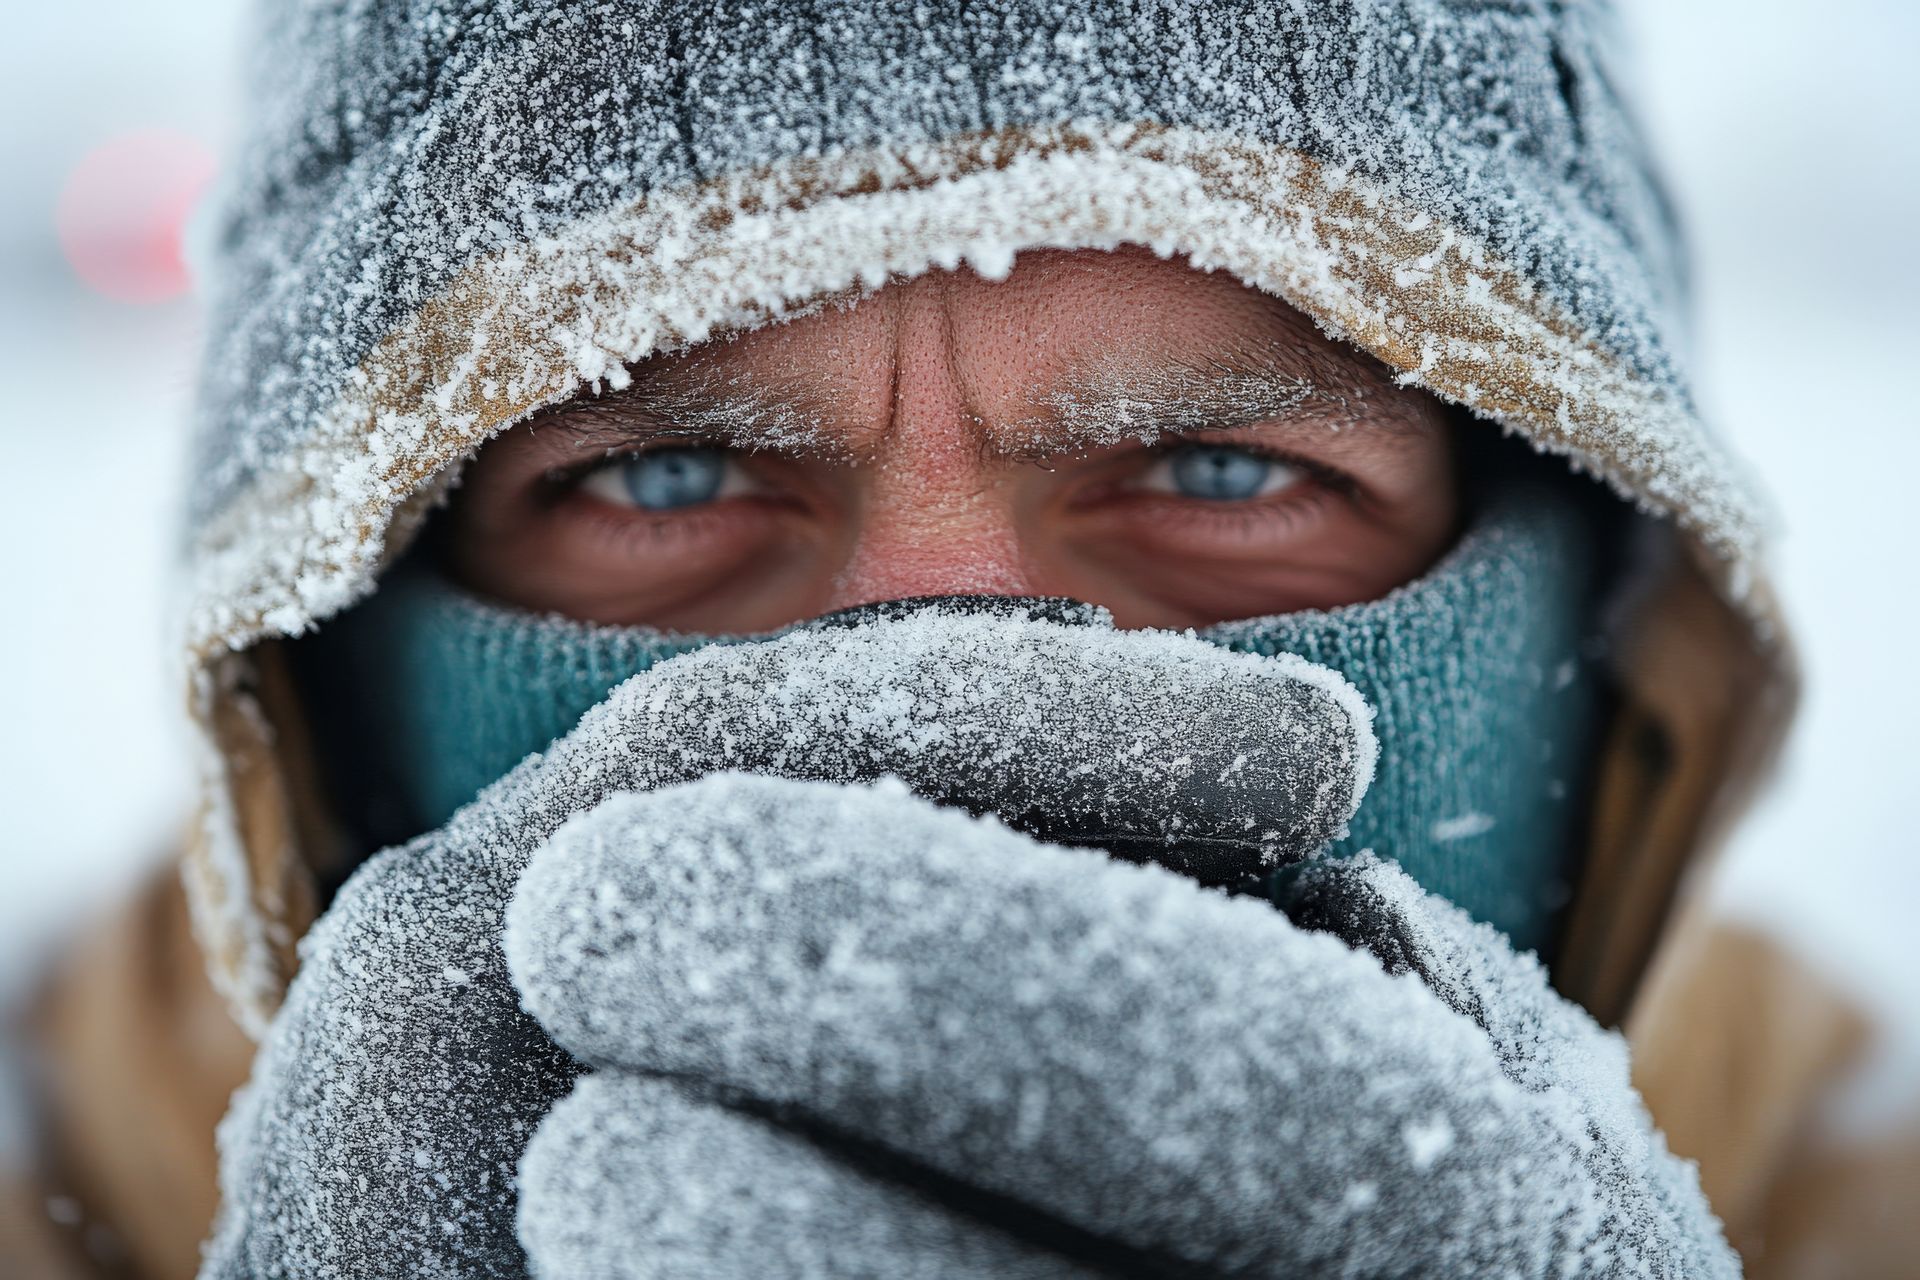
(1113, 427)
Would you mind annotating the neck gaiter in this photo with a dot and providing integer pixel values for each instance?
(1485, 705)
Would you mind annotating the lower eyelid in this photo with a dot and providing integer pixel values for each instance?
(1274, 514)
(630, 529)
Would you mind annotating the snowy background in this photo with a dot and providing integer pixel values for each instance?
(1787, 129)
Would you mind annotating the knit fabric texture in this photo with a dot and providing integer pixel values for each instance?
(1485, 704)
(1486, 695)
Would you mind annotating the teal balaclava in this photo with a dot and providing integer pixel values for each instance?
(1484, 702)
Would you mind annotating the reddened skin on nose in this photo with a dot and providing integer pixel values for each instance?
(901, 554)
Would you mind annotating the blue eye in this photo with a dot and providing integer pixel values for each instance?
(1217, 474)
(662, 479)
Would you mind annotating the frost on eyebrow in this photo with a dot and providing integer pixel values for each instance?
(699, 402)
(1122, 400)
(1112, 399)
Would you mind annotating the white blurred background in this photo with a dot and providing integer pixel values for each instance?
(1791, 133)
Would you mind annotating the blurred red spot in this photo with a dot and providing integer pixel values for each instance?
(122, 210)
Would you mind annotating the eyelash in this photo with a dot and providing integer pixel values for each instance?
(557, 482)
(1320, 473)
(634, 531)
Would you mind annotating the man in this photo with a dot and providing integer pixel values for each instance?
(676, 392)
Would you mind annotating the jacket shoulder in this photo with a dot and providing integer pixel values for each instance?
(133, 1061)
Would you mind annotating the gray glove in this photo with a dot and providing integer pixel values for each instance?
(388, 1109)
(807, 975)
(838, 1031)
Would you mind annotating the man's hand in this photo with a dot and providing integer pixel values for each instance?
(388, 1109)
(848, 988)
(835, 1028)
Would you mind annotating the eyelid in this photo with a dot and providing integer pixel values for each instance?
(564, 478)
(1322, 473)
(569, 474)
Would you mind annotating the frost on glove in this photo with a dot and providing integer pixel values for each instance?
(391, 1102)
(1163, 1079)
(833, 1029)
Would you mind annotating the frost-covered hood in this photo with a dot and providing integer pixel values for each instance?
(448, 216)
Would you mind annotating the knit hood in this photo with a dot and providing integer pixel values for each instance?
(449, 215)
